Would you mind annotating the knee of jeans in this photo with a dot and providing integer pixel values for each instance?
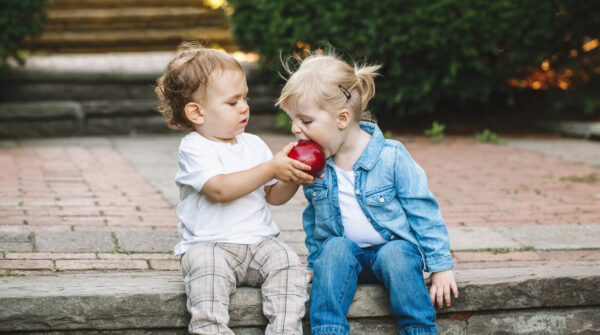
(336, 250)
(399, 254)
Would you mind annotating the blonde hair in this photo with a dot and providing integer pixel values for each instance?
(330, 83)
(186, 78)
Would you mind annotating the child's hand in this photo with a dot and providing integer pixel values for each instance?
(441, 284)
(290, 170)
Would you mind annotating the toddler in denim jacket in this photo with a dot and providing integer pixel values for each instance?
(371, 217)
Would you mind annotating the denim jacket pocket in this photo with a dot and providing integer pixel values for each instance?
(320, 202)
(384, 205)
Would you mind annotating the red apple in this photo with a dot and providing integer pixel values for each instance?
(309, 153)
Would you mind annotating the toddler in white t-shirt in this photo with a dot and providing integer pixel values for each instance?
(226, 178)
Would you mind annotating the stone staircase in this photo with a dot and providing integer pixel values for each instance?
(93, 69)
(542, 300)
(97, 94)
(93, 26)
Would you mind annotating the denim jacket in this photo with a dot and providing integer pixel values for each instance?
(391, 189)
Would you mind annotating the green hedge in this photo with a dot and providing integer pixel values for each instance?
(435, 53)
(19, 19)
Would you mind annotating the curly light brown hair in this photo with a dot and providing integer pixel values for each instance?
(186, 79)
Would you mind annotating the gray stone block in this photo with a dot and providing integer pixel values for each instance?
(120, 107)
(74, 242)
(17, 242)
(556, 237)
(114, 301)
(40, 110)
(539, 322)
(479, 238)
(124, 124)
(28, 129)
(147, 241)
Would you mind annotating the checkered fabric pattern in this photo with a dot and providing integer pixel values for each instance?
(213, 270)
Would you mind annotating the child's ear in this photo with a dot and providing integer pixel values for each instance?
(194, 113)
(343, 118)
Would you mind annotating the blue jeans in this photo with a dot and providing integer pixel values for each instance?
(341, 265)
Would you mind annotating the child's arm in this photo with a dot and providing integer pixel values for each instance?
(442, 284)
(232, 186)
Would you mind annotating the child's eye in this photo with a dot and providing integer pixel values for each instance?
(233, 103)
(306, 121)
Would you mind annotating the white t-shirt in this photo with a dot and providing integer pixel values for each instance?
(357, 227)
(245, 220)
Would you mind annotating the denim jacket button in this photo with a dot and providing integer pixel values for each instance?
(381, 199)
(392, 237)
(314, 194)
(357, 192)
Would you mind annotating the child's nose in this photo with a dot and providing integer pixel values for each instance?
(298, 132)
(244, 107)
(295, 129)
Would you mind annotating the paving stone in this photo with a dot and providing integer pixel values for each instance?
(101, 264)
(479, 238)
(288, 216)
(147, 241)
(73, 241)
(574, 150)
(556, 237)
(289, 236)
(541, 322)
(15, 241)
(25, 264)
(490, 256)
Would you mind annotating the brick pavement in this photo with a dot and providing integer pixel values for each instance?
(83, 205)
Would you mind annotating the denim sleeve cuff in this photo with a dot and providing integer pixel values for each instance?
(437, 264)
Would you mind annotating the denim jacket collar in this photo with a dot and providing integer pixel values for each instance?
(371, 153)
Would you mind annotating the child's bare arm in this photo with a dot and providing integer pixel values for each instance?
(232, 186)
(442, 284)
(289, 179)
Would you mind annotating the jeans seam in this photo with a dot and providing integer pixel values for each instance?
(348, 280)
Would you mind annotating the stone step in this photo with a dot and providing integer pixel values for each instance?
(95, 80)
(111, 19)
(103, 94)
(542, 300)
(74, 4)
(129, 40)
(100, 117)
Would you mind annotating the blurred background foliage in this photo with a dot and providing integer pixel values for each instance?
(443, 56)
(19, 19)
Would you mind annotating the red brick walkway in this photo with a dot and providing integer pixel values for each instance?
(94, 189)
(61, 189)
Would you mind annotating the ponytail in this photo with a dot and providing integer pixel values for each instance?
(365, 80)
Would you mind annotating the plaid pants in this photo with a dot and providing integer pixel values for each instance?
(212, 271)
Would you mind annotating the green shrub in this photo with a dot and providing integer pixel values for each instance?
(284, 123)
(19, 19)
(487, 136)
(436, 54)
(436, 132)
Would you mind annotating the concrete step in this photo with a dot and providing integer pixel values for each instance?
(542, 300)
(111, 19)
(74, 4)
(98, 95)
(129, 40)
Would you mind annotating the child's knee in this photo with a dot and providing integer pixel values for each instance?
(338, 248)
(399, 256)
